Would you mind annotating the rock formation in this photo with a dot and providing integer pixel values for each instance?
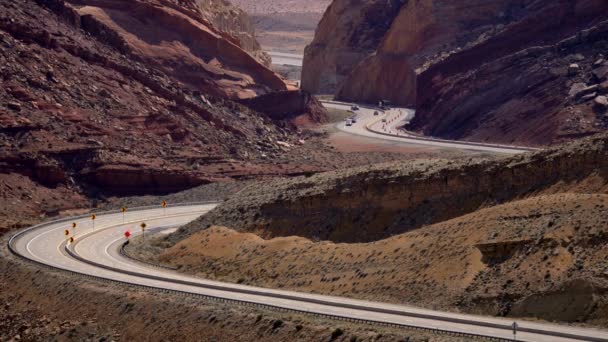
(179, 41)
(296, 106)
(372, 203)
(431, 44)
(348, 32)
(114, 97)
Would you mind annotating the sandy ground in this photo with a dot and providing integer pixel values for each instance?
(38, 304)
(496, 261)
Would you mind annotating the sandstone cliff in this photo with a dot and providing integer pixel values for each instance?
(348, 32)
(180, 43)
(536, 96)
(432, 44)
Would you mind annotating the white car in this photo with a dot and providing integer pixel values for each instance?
(349, 122)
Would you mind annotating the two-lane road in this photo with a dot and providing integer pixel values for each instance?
(96, 252)
(386, 126)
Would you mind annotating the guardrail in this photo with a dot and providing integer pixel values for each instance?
(276, 295)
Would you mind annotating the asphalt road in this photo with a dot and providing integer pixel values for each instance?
(96, 252)
(369, 125)
(281, 58)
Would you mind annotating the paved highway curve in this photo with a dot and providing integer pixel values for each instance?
(97, 253)
(371, 126)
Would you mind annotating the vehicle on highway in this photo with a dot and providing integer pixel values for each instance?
(349, 122)
(354, 118)
(384, 120)
(354, 107)
(384, 104)
(376, 113)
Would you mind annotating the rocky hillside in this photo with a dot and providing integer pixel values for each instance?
(118, 98)
(536, 96)
(179, 41)
(521, 236)
(430, 45)
(371, 203)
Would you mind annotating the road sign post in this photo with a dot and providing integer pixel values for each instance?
(514, 326)
(74, 227)
(93, 217)
(143, 231)
(124, 210)
(164, 205)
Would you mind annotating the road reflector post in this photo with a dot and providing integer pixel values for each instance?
(515, 327)
(143, 231)
(123, 210)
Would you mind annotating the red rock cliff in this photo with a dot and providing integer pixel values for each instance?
(180, 41)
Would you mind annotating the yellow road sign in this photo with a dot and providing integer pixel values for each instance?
(123, 209)
(71, 240)
(93, 217)
(143, 226)
(73, 224)
(66, 232)
(164, 204)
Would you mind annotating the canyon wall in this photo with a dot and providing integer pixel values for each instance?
(181, 42)
(369, 204)
(430, 44)
(348, 32)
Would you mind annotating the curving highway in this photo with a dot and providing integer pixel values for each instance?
(96, 252)
(372, 126)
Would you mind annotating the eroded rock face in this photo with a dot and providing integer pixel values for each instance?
(298, 107)
(88, 109)
(369, 204)
(431, 44)
(181, 41)
(349, 31)
(529, 97)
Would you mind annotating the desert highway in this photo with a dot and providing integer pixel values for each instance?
(95, 252)
(281, 58)
(386, 125)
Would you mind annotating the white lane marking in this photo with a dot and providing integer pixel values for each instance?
(105, 218)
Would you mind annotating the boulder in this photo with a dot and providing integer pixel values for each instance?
(601, 73)
(16, 106)
(573, 69)
(601, 102)
(293, 105)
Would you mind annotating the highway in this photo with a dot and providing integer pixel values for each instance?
(281, 58)
(372, 126)
(96, 252)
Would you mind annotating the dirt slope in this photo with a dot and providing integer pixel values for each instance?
(510, 259)
(383, 200)
(524, 236)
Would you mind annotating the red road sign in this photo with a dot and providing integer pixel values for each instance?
(127, 234)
